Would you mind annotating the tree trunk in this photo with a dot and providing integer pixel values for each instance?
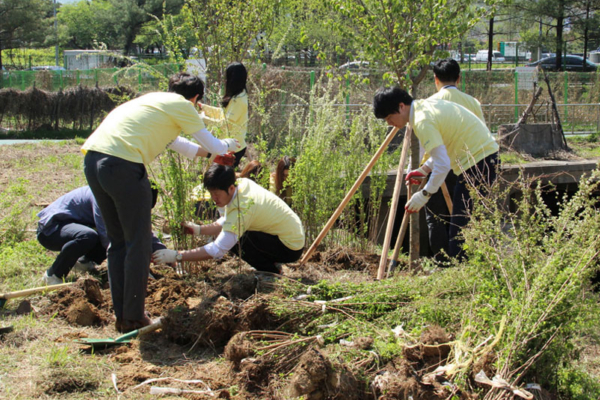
(560, 20)
(490, 44)
(586, 34)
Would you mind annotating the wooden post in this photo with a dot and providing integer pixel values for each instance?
(447, 197)
(349, 195)
(394, 206)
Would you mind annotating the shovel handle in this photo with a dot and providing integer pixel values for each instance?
(139, 332)
(26, 292)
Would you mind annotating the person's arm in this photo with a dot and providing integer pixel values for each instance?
(213, 145)
(439, 166)
(217, 249)
(188, 148)
(212, 114)
(99, 222)
(209, 230)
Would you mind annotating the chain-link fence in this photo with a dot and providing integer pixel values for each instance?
(276, 93)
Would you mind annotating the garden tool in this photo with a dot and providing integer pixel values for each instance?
(21, 293)
(123, 339)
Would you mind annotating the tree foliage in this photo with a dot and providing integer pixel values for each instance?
(24, 23)
(403, 34)
(226, 30)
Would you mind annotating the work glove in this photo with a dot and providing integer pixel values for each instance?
(190, 228)
(232, 144)
(226, 159)
(415, 176)
(164, 256)
(416, 202)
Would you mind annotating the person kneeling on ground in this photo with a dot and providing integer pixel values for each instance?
(74, 226)
(268, 231)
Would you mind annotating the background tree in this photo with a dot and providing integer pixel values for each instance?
(226, 30)
(24, 23)
(85, 24)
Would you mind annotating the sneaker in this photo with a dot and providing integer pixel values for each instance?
(89, 266)
(52, 279)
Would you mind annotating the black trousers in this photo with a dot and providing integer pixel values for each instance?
(481, 175)
(122, 191)
(438, 218)
(73, 241)
(262, 251)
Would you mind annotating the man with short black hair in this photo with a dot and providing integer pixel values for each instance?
(116, 154)
(446, 75)
(268, 231)
(454, 138)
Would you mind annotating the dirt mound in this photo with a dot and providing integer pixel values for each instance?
(346, 259)
(240, 286)
(80, 304)
(83, 313)
(57, 383)
(167, 293)
(256, 314)
(401, 381)
(212, 322)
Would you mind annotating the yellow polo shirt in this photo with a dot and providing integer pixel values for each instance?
(456, 96)
(254, 208)
(440, 122)
(142, 128)
(232, 122)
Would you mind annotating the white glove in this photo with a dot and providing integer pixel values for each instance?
(191, 228)
(164, 256)
(232, 144)
(416, 202)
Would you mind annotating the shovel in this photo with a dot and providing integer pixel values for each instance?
(123, 339)
(4, 297)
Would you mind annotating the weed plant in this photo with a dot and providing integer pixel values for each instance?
(331, 154)
(533, 272)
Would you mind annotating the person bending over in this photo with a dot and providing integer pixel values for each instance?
(454, 138)
(116, 154)
(268, 231)
(74, 226)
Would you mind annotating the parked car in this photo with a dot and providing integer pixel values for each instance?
(357, 67)
(482, 56)
(47, 68)
(570, 62)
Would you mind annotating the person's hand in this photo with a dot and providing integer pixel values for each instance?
(416, 202)
(164, 256)
(190, 228)
(232, 144)
(415, 176)
(225, 159)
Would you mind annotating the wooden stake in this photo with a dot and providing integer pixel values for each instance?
(394, 206)
(402, 231)
(447, 197)
(349, 195)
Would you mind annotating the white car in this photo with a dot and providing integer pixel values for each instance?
(358, 67)
(47, 68)
(482, 56)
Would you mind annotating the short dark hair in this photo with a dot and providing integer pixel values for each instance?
(219, 177)
(447, 70)
(187, 85)
(387, 101)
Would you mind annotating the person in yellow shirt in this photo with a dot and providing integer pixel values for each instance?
(454, 138)
(268, 231)
(232, 117)
(116, 155)
(446, 75)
